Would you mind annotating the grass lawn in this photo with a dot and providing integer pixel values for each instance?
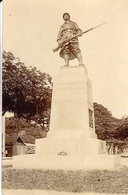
(68, 181)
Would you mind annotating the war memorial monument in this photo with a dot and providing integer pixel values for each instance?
(71, 143)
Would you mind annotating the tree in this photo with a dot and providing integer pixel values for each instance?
(122, 129)
(105, 123)
(26, 91)
(29, 132)
(114, 131)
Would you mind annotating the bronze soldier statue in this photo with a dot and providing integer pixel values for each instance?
(69, 50)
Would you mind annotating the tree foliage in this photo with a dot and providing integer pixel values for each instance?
(29, 132)
(105, 123)
(114, 131)
(26, 91)
(122, 129)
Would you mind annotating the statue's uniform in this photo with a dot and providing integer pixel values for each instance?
(67, 30)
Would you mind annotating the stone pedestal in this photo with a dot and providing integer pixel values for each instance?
(71, 142)
(72, 127)
(71, 103)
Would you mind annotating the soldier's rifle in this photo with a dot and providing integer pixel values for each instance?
(69, 39)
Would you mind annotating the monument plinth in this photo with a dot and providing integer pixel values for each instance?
(72, 104)
(72, 127)
(71, 143)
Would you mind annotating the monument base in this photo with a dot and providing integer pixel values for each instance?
(67, 154)
(67, 162)
(85, 146)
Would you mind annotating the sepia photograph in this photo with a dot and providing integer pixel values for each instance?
(64, 97)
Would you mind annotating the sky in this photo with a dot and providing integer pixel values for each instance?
(30, 29)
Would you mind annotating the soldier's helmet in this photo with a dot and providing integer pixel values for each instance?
(66, 16)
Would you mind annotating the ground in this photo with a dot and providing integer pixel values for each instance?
(68, 181)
